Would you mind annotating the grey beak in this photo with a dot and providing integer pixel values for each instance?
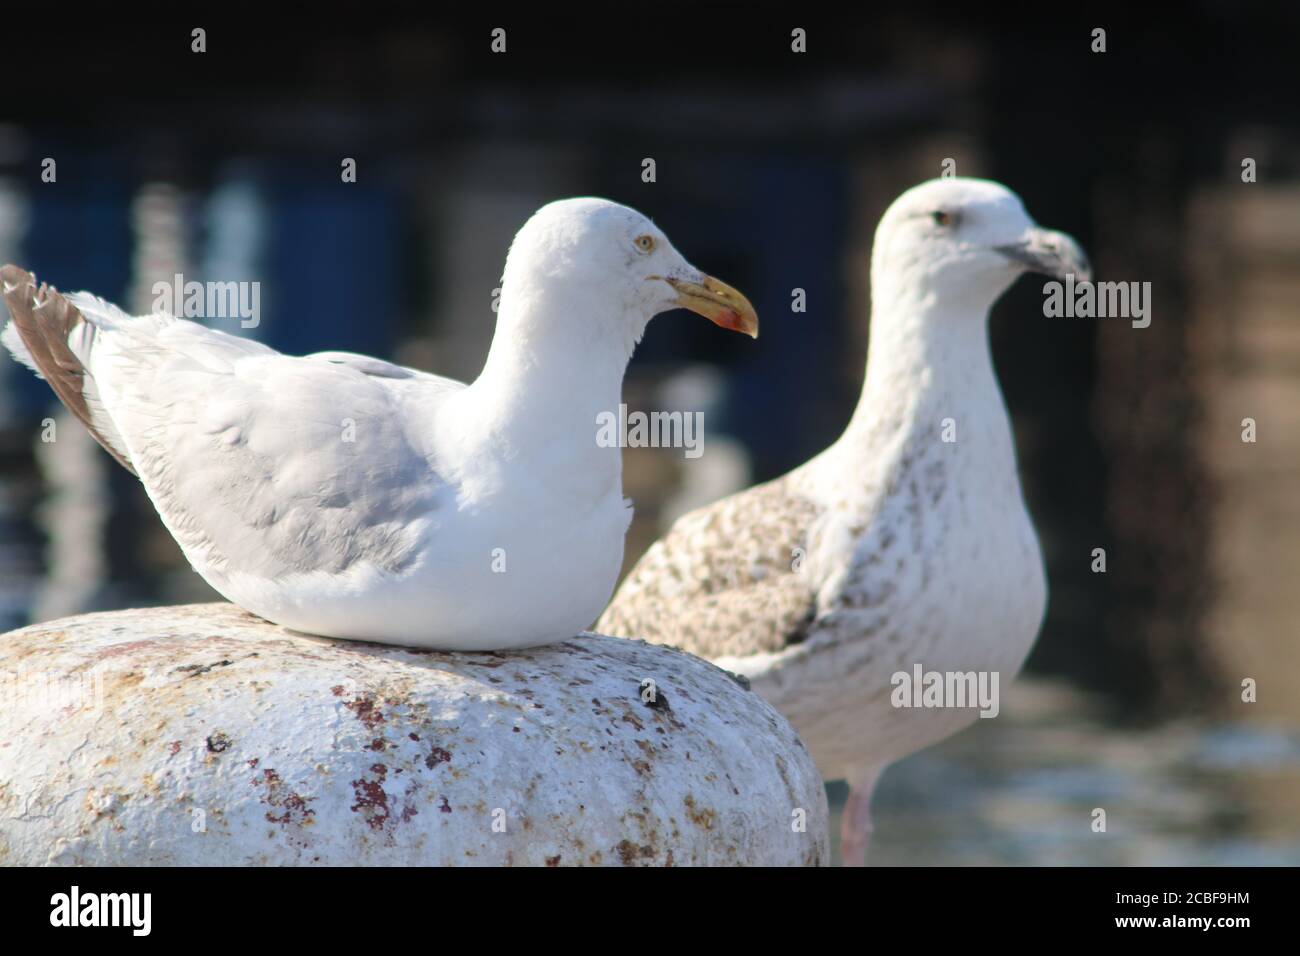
(1052, 253)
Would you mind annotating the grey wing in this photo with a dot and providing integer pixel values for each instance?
(724, 581)
(264, 464)
(378, 368)
(259, 463)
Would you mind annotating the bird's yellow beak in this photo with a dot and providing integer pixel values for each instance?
(717, 302)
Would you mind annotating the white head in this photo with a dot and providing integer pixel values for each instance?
(966, 240)
(603, 271)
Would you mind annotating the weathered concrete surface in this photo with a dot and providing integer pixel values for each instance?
(206, 736)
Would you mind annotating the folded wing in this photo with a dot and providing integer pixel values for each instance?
(724, 581)
(256, 461)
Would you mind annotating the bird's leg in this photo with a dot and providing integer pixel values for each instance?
(855, 823)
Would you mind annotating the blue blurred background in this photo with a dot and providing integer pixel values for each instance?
(772, 169)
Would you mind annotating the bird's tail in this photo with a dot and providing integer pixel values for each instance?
(51, 334)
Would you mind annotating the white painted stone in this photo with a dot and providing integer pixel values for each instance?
(207, 736)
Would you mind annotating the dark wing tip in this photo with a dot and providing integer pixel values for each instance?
(14, 283)
(46, 337)
(12, 274)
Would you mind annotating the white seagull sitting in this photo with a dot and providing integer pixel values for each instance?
(344, 496)
(905, 543)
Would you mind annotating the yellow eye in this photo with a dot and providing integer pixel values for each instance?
(645, 243)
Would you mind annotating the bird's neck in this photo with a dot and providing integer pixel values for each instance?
(549, 376)
(929, 375)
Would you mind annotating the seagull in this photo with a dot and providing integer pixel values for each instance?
(907, 542)
(344, 496)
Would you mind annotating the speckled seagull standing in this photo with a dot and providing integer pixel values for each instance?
(341, 495)
(893, 547)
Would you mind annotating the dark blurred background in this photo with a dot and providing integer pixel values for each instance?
(772, 168)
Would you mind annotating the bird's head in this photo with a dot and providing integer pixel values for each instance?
(967, 239)
(606, 263)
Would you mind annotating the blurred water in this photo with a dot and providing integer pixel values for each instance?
(1020, 789)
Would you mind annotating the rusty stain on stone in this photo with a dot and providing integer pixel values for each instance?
(371, 799)
(363, 707)
(701, 818)
(436, 756)
(629, 852)
(293, 806)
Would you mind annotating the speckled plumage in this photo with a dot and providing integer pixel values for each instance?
(893, 547)
(729, 566)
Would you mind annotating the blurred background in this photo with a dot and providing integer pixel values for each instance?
(772, 168)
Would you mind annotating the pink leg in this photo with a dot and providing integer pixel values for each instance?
(855, 824)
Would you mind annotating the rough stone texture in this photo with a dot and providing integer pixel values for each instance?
(207, 736)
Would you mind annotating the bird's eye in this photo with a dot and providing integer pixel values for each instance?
(941, 218)
(645, 243)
